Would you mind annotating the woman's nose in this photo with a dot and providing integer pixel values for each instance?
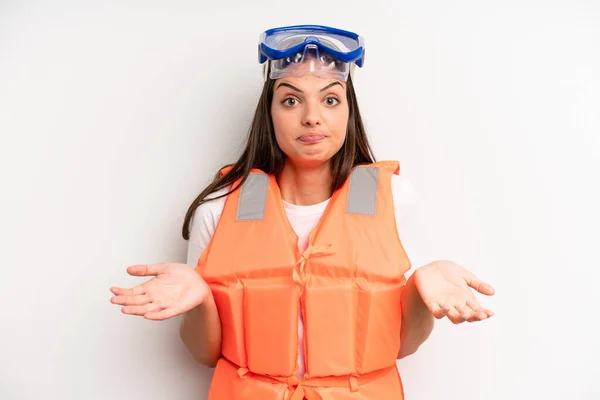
(312, 115)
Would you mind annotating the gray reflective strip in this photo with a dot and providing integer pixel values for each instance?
(362, 193)
(253, 198)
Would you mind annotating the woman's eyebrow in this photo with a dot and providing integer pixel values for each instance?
(290, 86)
(330, 85)
(300, 91)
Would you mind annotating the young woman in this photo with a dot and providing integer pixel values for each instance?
(298, 288)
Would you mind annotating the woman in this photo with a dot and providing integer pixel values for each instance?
(315, 304)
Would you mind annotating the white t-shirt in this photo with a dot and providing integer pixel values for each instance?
(302, 219)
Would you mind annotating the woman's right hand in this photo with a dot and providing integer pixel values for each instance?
(174, 290)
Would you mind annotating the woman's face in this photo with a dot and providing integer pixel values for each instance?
(310, 117)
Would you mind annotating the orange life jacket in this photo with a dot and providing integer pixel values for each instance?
(347, 284)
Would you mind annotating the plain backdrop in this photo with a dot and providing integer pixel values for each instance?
(114, 115)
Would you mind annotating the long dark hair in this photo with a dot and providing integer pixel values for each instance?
(262, 152)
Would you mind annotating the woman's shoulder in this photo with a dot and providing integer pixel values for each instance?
(203, 224)
(210, 210)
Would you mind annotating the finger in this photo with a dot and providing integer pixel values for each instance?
(479, 310)
(464, 311)
(474, 304)
(438, 310)
(146, 269)
(489, 313)
(162, 314)
(140, 310)
(478, 316)
(131, 300)
(477, 284)
(135, 291)
(454, 316)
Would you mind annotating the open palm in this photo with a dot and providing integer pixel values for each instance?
(175, 289)
(447, 290)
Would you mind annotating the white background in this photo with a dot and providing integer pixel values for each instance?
(113, 117)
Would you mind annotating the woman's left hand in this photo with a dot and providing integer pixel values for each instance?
(446, 289)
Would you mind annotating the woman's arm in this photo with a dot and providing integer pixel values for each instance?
(200, 327)
(417, 320)
(200, 331)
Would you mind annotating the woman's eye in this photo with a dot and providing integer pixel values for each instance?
(331, 101)
(289, 102)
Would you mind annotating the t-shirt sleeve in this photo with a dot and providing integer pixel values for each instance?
(203, 225)
(406, 212)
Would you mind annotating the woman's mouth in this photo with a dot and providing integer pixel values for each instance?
(311, 138)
